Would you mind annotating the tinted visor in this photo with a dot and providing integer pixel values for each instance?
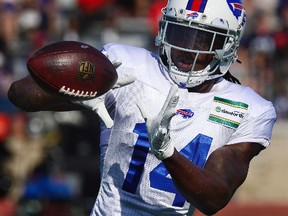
(193, 38)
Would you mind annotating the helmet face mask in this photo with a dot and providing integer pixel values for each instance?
(201, 48)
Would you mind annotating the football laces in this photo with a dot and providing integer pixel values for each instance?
(77, 93)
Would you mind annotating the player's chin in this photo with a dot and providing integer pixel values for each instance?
(184, 67)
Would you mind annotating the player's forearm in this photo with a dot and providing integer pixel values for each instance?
(204, 190)
(28, 96)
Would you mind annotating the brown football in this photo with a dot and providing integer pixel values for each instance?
(72, 69)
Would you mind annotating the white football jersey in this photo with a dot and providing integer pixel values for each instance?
(134, 181)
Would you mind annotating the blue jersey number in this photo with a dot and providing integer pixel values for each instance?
(196, 151)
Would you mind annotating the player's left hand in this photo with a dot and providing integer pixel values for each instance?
(97, 104)
(158, 127)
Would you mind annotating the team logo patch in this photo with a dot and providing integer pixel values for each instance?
(228, 113)
(185, 113)
(86, 71)
(236, 6)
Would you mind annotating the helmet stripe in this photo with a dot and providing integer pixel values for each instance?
(196, 5)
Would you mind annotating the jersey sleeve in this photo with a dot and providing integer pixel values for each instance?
(258, 124)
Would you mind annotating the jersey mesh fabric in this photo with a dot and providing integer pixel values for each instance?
(134, 181)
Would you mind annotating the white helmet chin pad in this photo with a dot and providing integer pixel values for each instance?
(208, 33)
(183, 82)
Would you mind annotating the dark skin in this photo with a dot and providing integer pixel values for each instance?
(184, 60)
(209, 189)
(28, 96)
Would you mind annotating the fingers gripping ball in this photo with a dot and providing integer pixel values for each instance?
(73, 70)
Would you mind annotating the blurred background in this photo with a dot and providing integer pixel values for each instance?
(49, 160)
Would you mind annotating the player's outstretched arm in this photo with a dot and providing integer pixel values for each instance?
(209, 189)
(30, 97)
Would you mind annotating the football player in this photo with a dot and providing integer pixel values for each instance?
(182, 135)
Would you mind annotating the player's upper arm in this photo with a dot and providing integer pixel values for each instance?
(231, 163)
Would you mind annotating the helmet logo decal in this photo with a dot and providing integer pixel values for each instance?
(196, 5)
(192, 15)
(236, 6)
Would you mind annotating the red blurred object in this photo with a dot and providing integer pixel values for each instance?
(7, 208)
(90, 6)
(5, 125)
(155, 14)
(281, 39)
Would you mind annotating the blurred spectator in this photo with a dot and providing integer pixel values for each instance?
(281, 105)
(109, 33)
(38, 22)
(9, 21)
(133, 8)
(71, 33)
(91, 12)
(280, 61)
(265, 5)
(260, 48)
(25, 154)
(6, 78)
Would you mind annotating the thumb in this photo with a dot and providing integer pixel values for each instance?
(102, 112)
(145, 112)
(168, 109)
(126, 80)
